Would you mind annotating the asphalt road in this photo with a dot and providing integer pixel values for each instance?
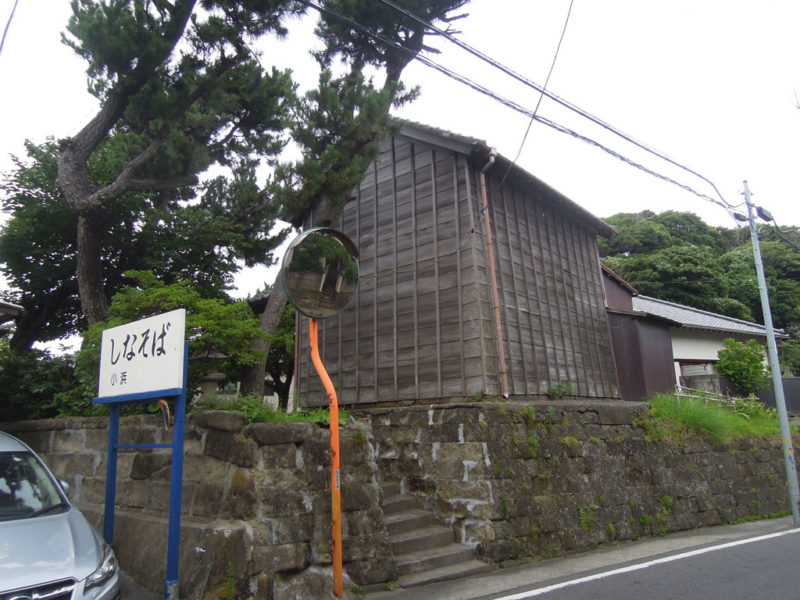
(749, 561)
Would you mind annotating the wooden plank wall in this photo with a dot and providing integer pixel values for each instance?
(418, 328)
(551, 295)
(421, 327)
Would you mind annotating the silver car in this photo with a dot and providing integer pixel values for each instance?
(47, 548)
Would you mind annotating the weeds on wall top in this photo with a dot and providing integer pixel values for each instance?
(255, 410)
(676, 418)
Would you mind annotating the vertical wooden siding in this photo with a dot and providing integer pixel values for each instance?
(414, 331)
(553, 311)
(421, 327)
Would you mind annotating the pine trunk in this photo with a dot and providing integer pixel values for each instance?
(89, 271)
(253, 377)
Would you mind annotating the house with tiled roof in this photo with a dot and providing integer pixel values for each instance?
(8, 312)
(698, 335)
(658, 344)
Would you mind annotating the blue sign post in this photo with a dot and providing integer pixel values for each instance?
(147, 358)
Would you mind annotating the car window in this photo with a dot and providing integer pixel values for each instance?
(25, 487)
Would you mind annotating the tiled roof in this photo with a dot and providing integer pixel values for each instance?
(694, 318)
(9, 311)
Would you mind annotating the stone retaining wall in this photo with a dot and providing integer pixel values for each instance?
(256, 507)
(520, 480)
(513, 480)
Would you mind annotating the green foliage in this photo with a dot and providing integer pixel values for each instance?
(200, 242)
(505, 506)
(684, 274)
(280, 359)
(674, 418)
(790, 355)
(743, 364)
(611, 531)
(559, 390)
(182, 91)
(32, 381)
(675, 256)
(586, 517)
(37, 246)
(219, 333)
(255, 410)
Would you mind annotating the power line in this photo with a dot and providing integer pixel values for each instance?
(783, 237)
(8, 24)
(482, 56)
(541, 96)
(519, 108)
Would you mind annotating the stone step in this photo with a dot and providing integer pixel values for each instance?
(390, 488)
(407, 520)
(434, 558)
(419, 539)
(464, 569)
(395, 504)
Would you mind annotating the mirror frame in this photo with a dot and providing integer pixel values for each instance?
(349, 246)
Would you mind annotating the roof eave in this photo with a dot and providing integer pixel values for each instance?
(480, 151)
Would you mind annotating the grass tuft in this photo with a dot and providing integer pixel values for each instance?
(673, 418)
(254, 410)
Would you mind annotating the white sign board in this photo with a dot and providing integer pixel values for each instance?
(143, 356)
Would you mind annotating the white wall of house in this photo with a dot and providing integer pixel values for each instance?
(696, 345)
(699, 347)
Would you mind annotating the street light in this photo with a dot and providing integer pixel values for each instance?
(777, 382)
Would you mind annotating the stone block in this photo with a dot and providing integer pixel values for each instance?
(219, 420)
(354, 451)
(450, 490)
(262, 586)
(205, 469)
(132, 494)
(133, 432)
(281, 456)
(93, 490)
(284, 557)
(268, 434)
(355, 497)
(152, 465)
(207, 500)
(231, 447)
(372, 571)
(617, 415)
(157, 497)
(40, 440)
(96, 440)
(284, 530)
(420, 486)
(68, 441)
(312, 584)
(71, 467)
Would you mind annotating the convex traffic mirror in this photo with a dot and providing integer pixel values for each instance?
(320, 272)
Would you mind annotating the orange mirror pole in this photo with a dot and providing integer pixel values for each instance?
(336, 496)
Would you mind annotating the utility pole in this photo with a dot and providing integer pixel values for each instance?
(772, 350)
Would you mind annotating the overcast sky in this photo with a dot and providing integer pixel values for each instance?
(710, 83)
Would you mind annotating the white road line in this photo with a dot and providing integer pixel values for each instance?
(640, 566)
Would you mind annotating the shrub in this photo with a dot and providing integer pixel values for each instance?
(31, 382)
(743, 364)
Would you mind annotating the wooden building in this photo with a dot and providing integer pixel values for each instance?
(641, 341)
(450, 309)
